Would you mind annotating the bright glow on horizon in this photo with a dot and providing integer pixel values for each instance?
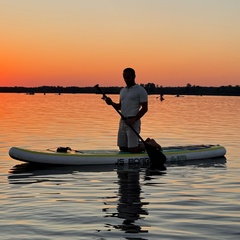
(81, 43)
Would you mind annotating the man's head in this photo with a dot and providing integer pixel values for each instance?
(129, 76)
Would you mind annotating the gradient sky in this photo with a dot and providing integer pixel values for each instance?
(82, 43)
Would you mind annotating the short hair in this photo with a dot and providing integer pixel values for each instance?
(130, 70)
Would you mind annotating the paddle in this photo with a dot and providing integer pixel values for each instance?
(156, 156)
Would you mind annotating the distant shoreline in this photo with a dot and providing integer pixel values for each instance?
(150, 88)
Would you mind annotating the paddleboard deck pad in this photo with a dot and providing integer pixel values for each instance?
(174, 154)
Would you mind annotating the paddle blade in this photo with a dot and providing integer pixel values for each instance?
(156, 156)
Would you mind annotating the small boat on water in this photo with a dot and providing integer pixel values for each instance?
(174, 154)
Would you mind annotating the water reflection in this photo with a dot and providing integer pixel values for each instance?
(27, 173)
(130, 207)
(46, 169)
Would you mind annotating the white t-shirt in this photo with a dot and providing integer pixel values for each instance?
(131, 98)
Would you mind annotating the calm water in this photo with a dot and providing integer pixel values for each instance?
(187, 202)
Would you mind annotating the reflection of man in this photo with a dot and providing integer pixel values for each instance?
(130, 205)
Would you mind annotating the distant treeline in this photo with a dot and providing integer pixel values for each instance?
(150, 87)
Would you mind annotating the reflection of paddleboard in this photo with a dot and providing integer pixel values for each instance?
(174, 154)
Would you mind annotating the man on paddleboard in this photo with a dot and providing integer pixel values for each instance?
(133, 104)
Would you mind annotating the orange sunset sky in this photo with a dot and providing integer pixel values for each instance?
(82, 43)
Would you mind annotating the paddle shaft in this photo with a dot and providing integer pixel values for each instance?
(104, 97)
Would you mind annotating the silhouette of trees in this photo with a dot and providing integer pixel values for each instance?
(151, 88)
